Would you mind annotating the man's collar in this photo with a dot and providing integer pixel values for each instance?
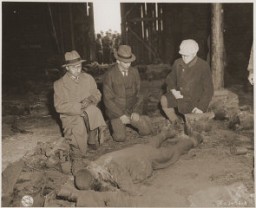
(73, 77)
(191, 63)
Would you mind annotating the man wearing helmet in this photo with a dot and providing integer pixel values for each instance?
(189, 85)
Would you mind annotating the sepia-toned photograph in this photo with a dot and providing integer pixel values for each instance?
(118, 103)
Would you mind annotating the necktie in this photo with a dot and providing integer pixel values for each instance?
(126, 73)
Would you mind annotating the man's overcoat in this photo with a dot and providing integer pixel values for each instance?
(194, 81)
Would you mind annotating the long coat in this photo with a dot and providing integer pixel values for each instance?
(121, 94)
(194, 81)
(68, 95)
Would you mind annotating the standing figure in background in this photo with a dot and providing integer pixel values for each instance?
(107, 45)
(75, 98)
(121, 89)
(99, 49)
(189, 85)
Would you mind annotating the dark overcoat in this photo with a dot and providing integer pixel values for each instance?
(194, 81)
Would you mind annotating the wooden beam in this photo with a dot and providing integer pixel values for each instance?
(71, 27)
(147, 19)
(53, 28)
(217, 46)
(146, 45)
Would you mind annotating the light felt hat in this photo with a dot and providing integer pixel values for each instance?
(124, 54)
(72, 58)
(188, 47)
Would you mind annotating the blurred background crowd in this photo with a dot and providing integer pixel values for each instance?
(106, 43)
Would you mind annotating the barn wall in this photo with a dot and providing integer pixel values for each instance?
(74, 26)
(26, 39)
(238, 38)
(165, 25)
(187, 20)
(36, 35)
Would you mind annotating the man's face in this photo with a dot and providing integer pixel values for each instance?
(74, 70)
(123, 65)
(188, 58)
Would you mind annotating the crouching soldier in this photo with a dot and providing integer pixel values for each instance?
(75, 98)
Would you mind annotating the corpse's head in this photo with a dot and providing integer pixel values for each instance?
(85, 180)
(94, 177)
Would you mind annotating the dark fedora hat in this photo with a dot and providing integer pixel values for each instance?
(124, 54)
(72, 58)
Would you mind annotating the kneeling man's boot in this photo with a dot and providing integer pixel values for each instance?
(93, 141)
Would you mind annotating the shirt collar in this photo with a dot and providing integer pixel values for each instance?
(191, 63)
(73, 77)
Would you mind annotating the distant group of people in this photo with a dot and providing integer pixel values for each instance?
(106, 45)
(189, 90)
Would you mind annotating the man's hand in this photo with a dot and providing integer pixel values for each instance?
(176, 94)
(125, 119)
(85, 103)
(196, 110)
(93, 99)
(250, 78)
(135, 117)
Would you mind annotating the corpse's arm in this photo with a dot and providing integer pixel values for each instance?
(123, 179)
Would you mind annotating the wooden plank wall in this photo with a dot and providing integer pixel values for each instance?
(160, 27)
(74, 27)
(141, 28)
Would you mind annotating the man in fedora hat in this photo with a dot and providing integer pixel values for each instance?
(121, 89)
(189, 85)
(76, 97)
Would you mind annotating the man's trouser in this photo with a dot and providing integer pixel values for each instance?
(76, 132)
(119, 133)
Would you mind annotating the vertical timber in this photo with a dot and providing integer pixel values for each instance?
(217, 46)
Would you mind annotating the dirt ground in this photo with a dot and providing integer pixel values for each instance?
(208, 176)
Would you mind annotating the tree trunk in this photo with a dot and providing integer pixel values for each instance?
(217, 60)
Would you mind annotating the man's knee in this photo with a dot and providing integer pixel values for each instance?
(79, 129)
(118, 128)
(164, 102)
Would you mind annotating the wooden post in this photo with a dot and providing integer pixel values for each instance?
(91, 32)
(217, 49)
(123, 24)
(71, 27)
(61, 30)
(53, 28)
